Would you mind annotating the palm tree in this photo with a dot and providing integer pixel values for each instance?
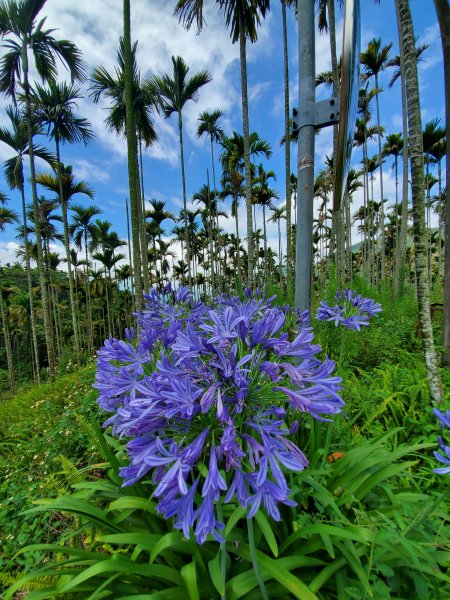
(397, 64)
(112, 86)
(81, 229)
(432, 136)
(208, 125)
(242, 18)
(6, 332)
(375, 60)
(232, 186)
(108, 259)
(23, 33)
(137, 221)
(53, 107)
(263, 195)
(278, 213)
(17, 140)
(287, 150)
(407, 47)
(174, 92)
(393, 146)
(7, 217)
(437, 152)
(443, 15)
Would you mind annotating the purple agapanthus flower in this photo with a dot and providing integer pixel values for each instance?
(209, 398)
(351, 311)
(445, 458)
(444, 422)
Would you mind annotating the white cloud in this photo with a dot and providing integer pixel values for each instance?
(8, 253)
(95, 27)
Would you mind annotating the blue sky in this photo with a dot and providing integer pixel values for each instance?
(95, 26)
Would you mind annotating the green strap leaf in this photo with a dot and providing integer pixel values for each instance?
(167, 541)
(189, 575)
(216, 574)
(273, 569)
(267, 532)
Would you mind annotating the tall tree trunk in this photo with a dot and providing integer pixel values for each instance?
(131, 146)
(183, 182)
(214, 275)
(416, 145)
(443, 14)
(280, 256)
(37, 222)
(287, 153)
(30, 282)
(246, 134)
(130, 253)
(238, 254)
(142, 229)
(382, 246)
(266, 280)
(7, 336)
(108, 307)
(73, 306)
(88, 298)
(401, 252)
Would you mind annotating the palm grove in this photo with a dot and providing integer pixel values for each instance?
(51, 315)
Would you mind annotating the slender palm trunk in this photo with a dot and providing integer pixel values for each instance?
(238, 254)
(73, 306)
(108, 307)
(439, 219)
(406, 32)
(30, 283)
(245, 123)
(443, 14)
(287, 151)
(132, 162)
(401, 251)
(382, 245)
(142, 230)
(396, 202)
(266, 279)
(88, 297)
(37, 223)
(130, 253)
(7, 336)
(183, 182)
(280, 256)
(215, 269)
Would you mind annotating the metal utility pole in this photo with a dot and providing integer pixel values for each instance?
(312, 115)
(305, 168)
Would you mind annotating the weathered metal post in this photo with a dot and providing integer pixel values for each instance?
(305, 168)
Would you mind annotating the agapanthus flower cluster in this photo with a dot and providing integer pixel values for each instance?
(444, 422)
(209, 398)
(352, 310)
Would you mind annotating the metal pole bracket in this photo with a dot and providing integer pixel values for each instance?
(326, 112)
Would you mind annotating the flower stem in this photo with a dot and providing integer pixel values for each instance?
(251, 543)
(223, 554)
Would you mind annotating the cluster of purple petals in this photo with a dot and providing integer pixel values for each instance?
(444, 421)
(209, 398)
(352, 310)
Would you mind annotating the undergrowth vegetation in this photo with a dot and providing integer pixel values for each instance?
(372, 519)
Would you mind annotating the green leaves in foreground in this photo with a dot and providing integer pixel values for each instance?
(361, 530)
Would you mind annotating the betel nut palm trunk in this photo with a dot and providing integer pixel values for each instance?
(37, 224)
(406, 33)
(132, 159)
(73, 306)
(246, 134)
